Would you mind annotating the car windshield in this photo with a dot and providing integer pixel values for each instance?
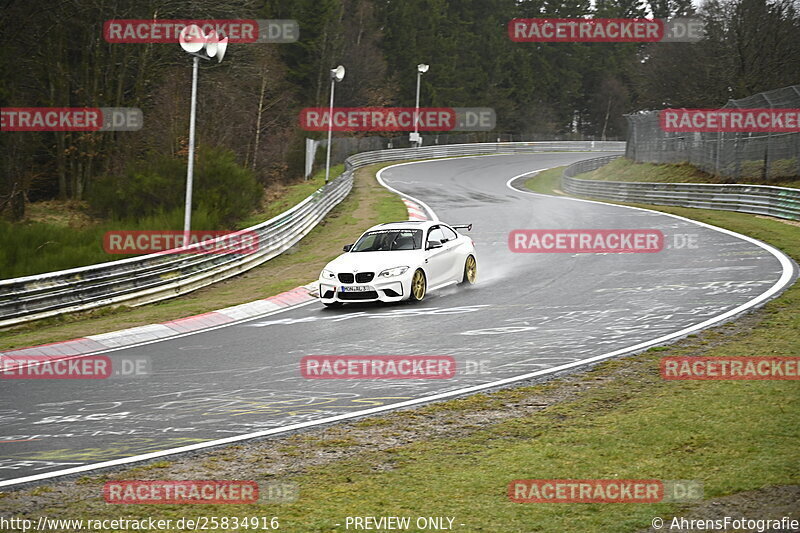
(389, 240)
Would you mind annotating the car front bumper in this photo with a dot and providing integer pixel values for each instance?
(392, 289)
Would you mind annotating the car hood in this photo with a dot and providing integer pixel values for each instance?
(374, 261)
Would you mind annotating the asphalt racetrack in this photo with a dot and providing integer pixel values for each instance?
(527, 315)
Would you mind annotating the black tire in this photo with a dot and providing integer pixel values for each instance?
(419, 286)
(332, 304)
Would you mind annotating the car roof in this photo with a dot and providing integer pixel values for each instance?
(405, 224)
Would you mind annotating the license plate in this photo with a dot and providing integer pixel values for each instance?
(357, 288)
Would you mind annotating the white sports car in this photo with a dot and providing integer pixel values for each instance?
(399, 261)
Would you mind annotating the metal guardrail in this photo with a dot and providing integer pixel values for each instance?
(453, 150)
(781, 202)
(154, 277)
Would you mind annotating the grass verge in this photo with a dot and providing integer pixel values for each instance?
(624, 169)
(288, 196)
(456, 458)
(57, 235)
(367, 204)
(35, 247)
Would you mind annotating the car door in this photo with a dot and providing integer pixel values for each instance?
(437, 262)
(453, 253)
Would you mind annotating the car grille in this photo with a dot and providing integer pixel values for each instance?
(365, 277)
(361, 277)
(367, 295)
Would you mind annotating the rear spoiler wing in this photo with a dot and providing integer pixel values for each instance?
(467, 227)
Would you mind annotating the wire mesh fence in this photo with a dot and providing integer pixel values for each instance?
(752, 156)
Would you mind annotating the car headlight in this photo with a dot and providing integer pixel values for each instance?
(327, 274)
(391, 272)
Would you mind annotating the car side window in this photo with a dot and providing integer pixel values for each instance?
(406, 240)
(417, 239)
(436, 234)
(449, 235)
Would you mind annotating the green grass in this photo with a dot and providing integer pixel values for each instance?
(291, 196)
(546, 181)
(623, 169)
(667, 431)
(36, 247)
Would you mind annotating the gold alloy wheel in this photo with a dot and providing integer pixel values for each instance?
(471, 270)
(418, 285)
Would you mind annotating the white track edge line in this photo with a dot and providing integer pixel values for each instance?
(788, 270)
(177, 335)
(422, 204)
(785, 262)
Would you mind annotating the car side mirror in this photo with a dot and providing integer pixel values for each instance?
(433, 244)
(347, 247)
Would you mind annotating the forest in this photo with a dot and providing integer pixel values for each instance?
(248, 133)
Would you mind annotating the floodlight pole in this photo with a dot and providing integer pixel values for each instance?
(330, 132)
(421, 68)
(187, 214)
(337, 74)
(214, 47)
(416, 111)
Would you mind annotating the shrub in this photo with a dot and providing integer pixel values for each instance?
(157, 185)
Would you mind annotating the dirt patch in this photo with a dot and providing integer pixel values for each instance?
(69, 213)
(272, 192)
(790, 222)
(769, 503)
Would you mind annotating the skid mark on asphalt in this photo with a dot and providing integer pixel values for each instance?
(392, 314)
(110, 451)
(145, 439)
(34, 465)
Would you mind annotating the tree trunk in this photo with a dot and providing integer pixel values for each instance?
(258, 116)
